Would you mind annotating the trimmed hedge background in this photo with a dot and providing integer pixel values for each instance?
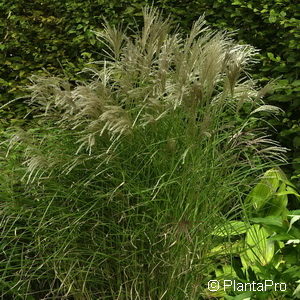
(57, 36)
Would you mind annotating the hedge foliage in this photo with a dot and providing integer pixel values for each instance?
(57, 36)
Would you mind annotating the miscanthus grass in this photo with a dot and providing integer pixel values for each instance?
(116, 191)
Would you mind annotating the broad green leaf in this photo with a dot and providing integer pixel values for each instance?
(294, 212)
(297, 290)
(260, 250)
(231, 228)
(265, 189)
(228, 271)
(288, 191)
(278, 203)
(272, 192)
(227, 248)
(281, 237)
(293, 220)
(269, 220)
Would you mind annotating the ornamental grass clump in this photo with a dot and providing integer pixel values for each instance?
(115, 191)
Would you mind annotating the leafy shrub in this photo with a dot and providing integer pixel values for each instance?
(273, 27)
(266, 246)
(115, 192)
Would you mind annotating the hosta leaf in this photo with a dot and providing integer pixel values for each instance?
(226, 248)
(293, 220)
(260, 250)
(232, 228)
(272, 193)
(269, 220)
(278, 203)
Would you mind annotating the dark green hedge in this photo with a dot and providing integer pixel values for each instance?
(273, 26)
(56, 36)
